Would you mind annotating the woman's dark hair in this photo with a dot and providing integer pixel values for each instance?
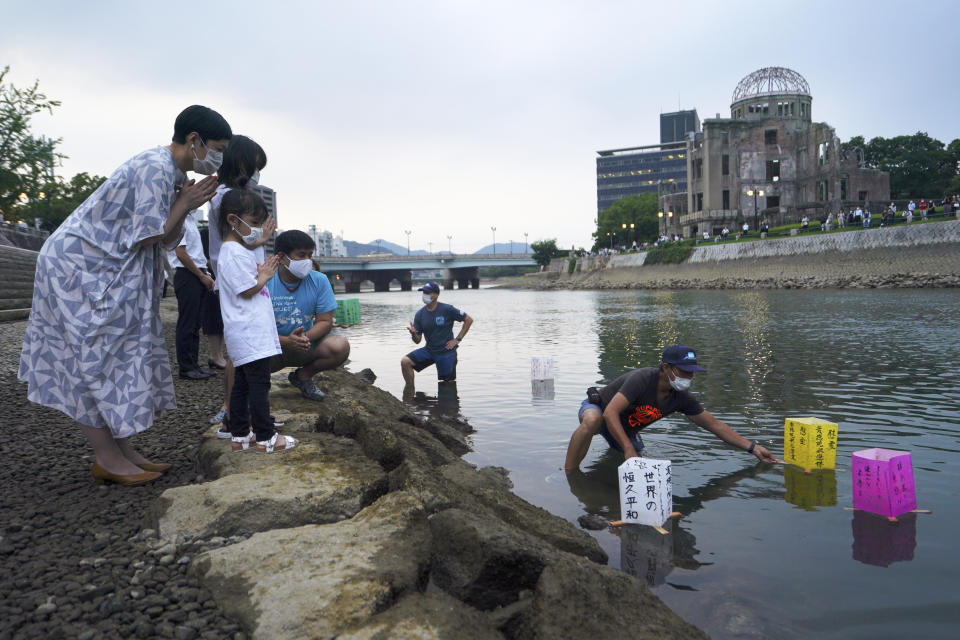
(242, 157)
(205, 121)
(290, 241)
(240, 202)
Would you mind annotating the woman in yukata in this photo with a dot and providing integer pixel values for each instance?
(94, 345)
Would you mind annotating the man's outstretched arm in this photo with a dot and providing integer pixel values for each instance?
(722, 430)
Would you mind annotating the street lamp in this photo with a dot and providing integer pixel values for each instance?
(408, 240)
(450, 245)
(526, 245)
(430, 246)
(611, 239)
(755, 193)
(633, 235)
(660, 222)
(494, 229)
(624, 227)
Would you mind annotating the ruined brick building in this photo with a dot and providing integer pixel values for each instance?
(768, 160)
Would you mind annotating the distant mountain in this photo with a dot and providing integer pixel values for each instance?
(389, 247)
(506, 247)
(355, 249)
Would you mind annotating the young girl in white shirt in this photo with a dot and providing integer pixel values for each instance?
(249, 328)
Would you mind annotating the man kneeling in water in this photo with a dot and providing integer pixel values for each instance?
(620, 410)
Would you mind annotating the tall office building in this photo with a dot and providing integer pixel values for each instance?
(654, 168)
(270, 199)
(675, 126)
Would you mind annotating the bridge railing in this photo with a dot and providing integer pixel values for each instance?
(427, 258)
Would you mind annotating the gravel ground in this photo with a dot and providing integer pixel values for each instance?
(75, 561)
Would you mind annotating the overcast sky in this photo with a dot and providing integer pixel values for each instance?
(447, 118)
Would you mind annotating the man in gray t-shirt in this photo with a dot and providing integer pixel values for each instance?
(623, 408)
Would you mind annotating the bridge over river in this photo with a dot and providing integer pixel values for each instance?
(381, 270)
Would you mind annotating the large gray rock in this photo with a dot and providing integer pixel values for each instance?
(276, 491)
(216, 460)
(575, 598)
(434, 616)
(487, 492)
(482, 561)
(318, 581)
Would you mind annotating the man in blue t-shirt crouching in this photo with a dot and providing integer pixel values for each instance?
(303, 306)
(435, 322)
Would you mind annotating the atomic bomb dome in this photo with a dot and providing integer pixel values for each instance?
(771, 81)
(772, 91)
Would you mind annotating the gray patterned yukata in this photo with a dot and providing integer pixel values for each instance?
(94, 345)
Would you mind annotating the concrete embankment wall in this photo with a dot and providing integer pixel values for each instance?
(916, 235)
(905, 256)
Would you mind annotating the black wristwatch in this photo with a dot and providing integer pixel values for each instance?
(752, 445)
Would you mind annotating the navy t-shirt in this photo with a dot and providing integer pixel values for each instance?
(437, 325)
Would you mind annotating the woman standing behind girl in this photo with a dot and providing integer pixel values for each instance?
(249, 328)
(243, 161)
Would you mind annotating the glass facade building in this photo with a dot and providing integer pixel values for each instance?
(635, 170)
(656, 168)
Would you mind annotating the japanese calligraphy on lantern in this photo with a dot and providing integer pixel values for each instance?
(541, 368)
(883, 482)
(646, 493)
(810, 443)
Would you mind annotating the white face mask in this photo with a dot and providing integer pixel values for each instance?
(680, 384)
(299, 269)
(427, 298)
(210, 163)
(255, 233)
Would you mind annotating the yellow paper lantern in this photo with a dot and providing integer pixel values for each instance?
(810, 443)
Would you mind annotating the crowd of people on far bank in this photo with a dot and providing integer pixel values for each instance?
(94, 348)
(858, 217)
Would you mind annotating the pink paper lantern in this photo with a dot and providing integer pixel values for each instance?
(883, 482)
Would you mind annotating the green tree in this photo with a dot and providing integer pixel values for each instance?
(61, 197)
(26, 161)
(638, 210)
(919, 166)
(544, 251)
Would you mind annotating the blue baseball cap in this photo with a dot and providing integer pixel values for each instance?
(682, 357)
(430, 287)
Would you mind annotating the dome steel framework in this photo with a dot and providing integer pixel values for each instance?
(771, 81)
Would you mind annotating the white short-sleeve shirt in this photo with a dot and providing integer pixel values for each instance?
(249, 328)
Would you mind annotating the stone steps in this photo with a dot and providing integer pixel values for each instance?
(17, 269)
(14, 303)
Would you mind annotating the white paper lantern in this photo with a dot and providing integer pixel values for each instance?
(541, 368)
(646, 492)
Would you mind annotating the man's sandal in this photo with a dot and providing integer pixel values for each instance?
(242, 444)
(270, 446)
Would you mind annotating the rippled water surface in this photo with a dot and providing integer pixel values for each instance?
(762, 551)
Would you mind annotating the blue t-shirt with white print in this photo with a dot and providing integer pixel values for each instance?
(437, 325)
(296, 308)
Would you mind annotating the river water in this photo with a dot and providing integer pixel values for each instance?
(762, 550)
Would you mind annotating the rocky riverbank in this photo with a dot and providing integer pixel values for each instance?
(936, 265)
(372, 528)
